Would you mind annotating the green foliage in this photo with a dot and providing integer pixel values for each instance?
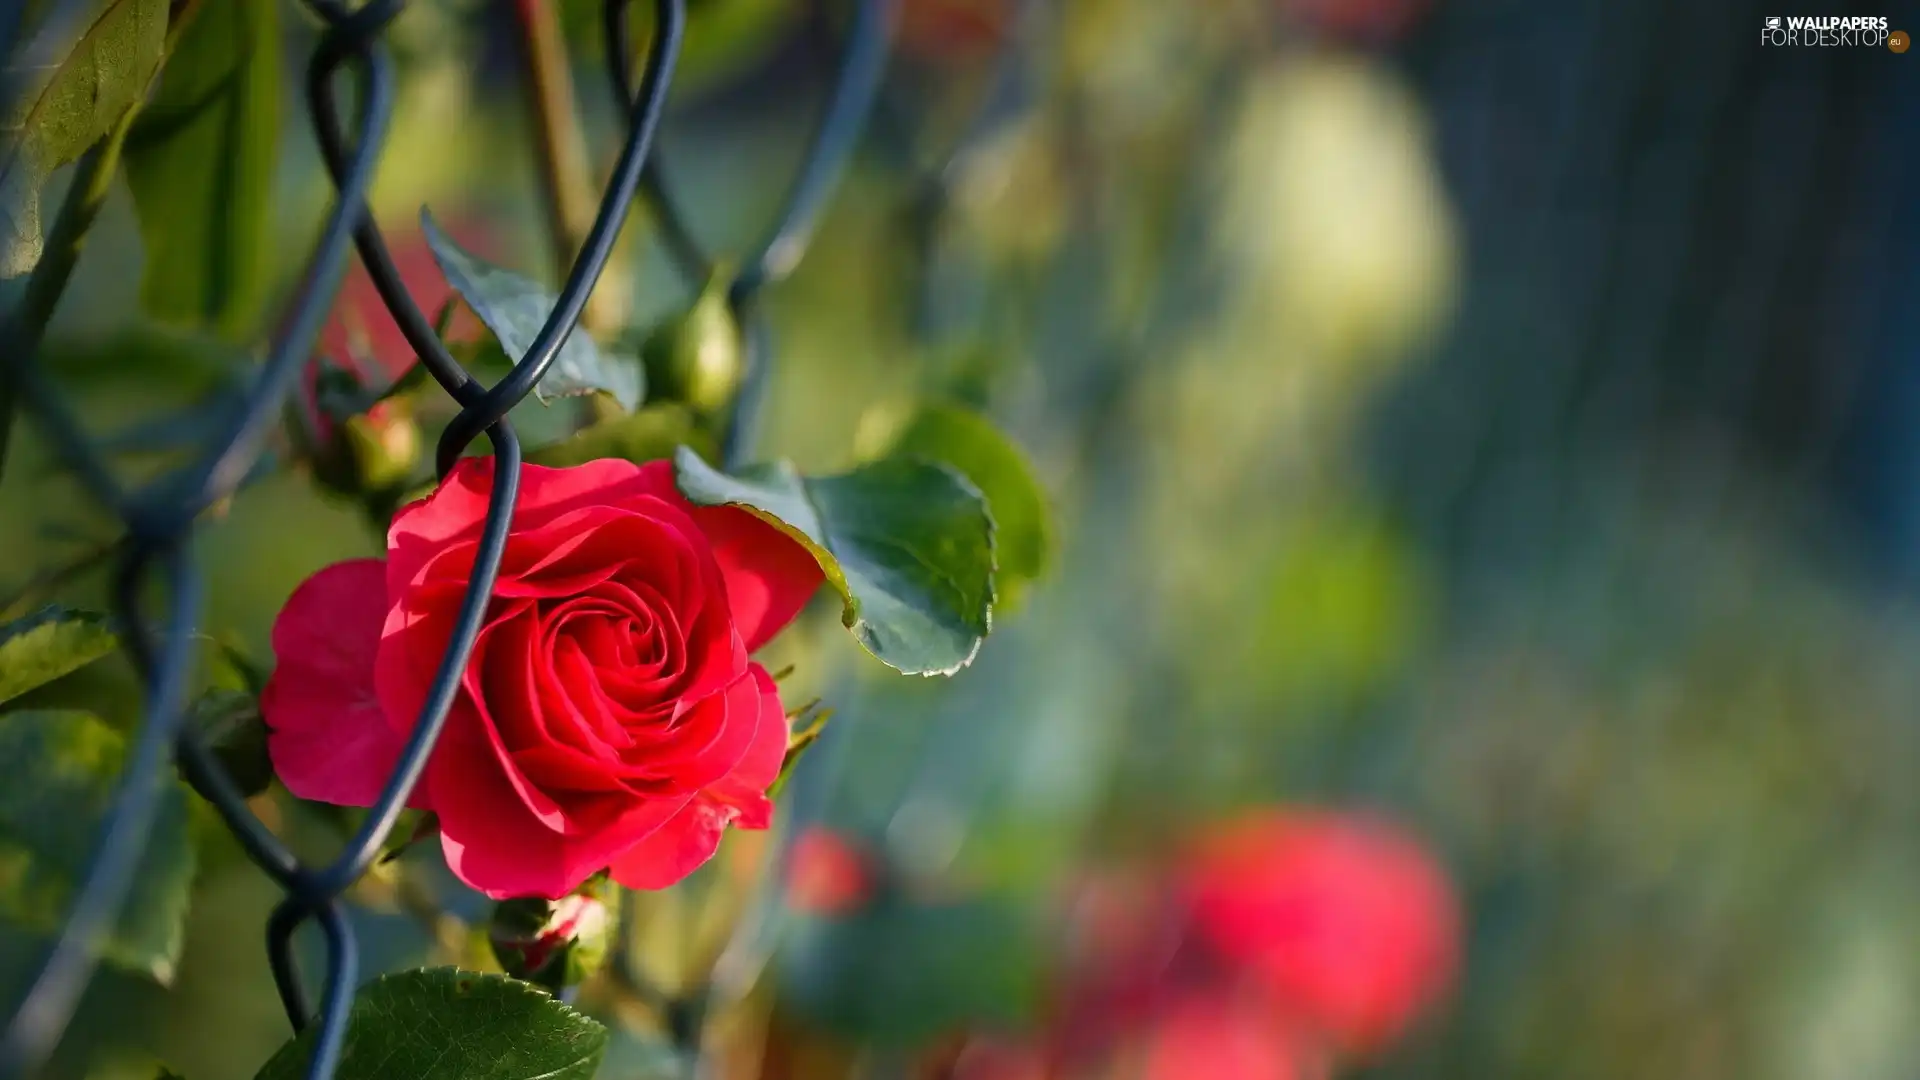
(59, 772)
(200, 165)
(51, 642)
(907, 544)
(649, 434)
(447, 1024)
(515, 308)
(76, 92)
(230, 723)
(900, 971)
(142, 355)
(972, 446)
(696, 356)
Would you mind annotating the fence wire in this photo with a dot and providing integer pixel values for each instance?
(160, 516)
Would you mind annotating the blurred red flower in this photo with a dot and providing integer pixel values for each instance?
(360, 328)
(953, 30)
(1372, 20)
(828, 875)
(1214, 1035)
(1349, 923)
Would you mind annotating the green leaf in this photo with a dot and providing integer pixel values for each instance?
(229, 722)
(200, 164)
(59, 773)
(967, 441)
(158, 361)
(907, 544)
(51, 642)
(515, 308)
(899, 972)
(77, 87)
(446, 1024)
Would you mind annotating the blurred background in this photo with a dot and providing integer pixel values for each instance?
(1491, 415)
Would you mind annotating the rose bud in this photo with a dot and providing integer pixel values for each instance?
(1350, 925)
(356, 451)
(828, 875)
(696, 357)
(554, 943)
(609, 716)
(374, 451)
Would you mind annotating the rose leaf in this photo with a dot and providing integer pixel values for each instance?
(200, 162)
(51, 642)
(515, 308)
(60, 772)
(80, 77)
(447, 1024)
(973, 447)
(908, 544)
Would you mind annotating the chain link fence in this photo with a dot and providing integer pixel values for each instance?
(160, 516)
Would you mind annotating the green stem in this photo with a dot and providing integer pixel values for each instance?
(24, 328)
(566, 177)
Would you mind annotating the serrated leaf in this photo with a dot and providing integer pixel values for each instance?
(899, 971)
(77, 87)
(59, 773)
(515, 308)
(54, 641)
(907, 544)
(967, 441)
(447, 1024)
(200, 164)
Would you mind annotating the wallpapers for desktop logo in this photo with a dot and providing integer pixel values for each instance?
(1868, 31)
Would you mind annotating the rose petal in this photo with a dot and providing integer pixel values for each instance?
(684, 844)
(746, 787)
(705, 744)
(458, 506)
(769, 575)
(514, 632)
(419, 625)
(327, 734)
(495, 844)
(676, 849)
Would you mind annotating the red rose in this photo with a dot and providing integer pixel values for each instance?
(1349, 923)
(609, 716)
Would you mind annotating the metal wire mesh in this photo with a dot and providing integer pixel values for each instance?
(160, 516)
